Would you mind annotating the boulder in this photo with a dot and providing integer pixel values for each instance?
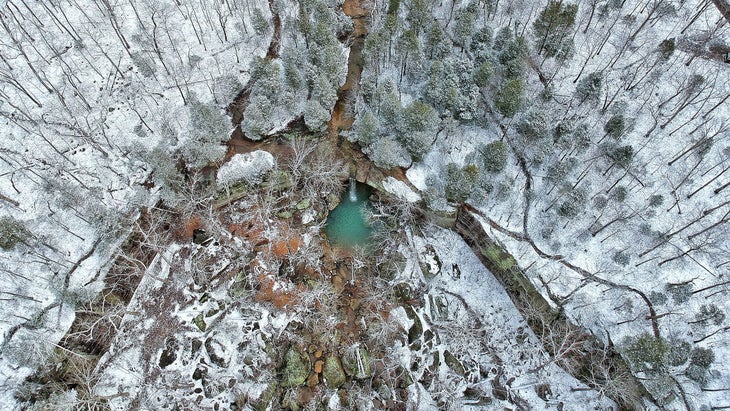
(332, 372)
(296, 368)
(356, 363)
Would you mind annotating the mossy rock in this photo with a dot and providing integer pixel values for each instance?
(303, 204)
(416, 330)
(296, 368)
(199, 322)
(356, 363)
(403, 293)
(290, 401)
(332, 372)
(454, 363)
(264, 400)
(333, 200)
(280, 180)
(498, 257)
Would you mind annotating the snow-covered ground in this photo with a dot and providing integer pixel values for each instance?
(92, 99)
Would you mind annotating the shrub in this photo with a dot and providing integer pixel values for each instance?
(12, 232)
(615, 126)
(702, 357)
(666, 48)
(680, 292)
(678, 352)
(697, 374)
(645, 352)
(508, 100)
(494, 156)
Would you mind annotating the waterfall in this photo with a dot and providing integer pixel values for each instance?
(353, 188)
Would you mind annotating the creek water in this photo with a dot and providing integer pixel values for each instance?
(346, 224)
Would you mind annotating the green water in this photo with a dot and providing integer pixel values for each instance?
(346, 225)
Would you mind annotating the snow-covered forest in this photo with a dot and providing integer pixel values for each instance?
(167, 168)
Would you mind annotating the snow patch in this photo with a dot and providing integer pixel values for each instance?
(400, 190)
(247, 167)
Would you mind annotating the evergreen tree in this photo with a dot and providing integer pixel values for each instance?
(316, 116)
(208, 130)
(460, 181)
(573, 204)
(437, 44)
(534, 126)
(418, 15)
(553, 29)
(589, 88)
(615, 126)
(494, 156)
(666, 48)
(12, 232)
(483, 73)
(481, 44)
(420, 122)
(464, 25)
(508, 100)
(513, 57)
(388, 153)
(621, 156)
(367, 128)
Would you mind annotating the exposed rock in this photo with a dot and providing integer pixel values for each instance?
(313, 380)
(296, 368)
(169, 354)
(200, 371)
(264, 400)
(337, 283)
(216, 352)
(333, 200)
(403, 292)
(303, 204)
(332, 372)
(454, 363)
(356, 363)
(195, 346)
(249, 168)
(438, 308)
(543, 391)
(430, 262)
(199, 322)
(318, 366)
(201, 237)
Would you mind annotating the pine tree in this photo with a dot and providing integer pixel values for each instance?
(553, 29)
(615, 126)
(494, 156)
(508, 100)
(589, 88)
(420, 122)
(460, 181)
(12, 232)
